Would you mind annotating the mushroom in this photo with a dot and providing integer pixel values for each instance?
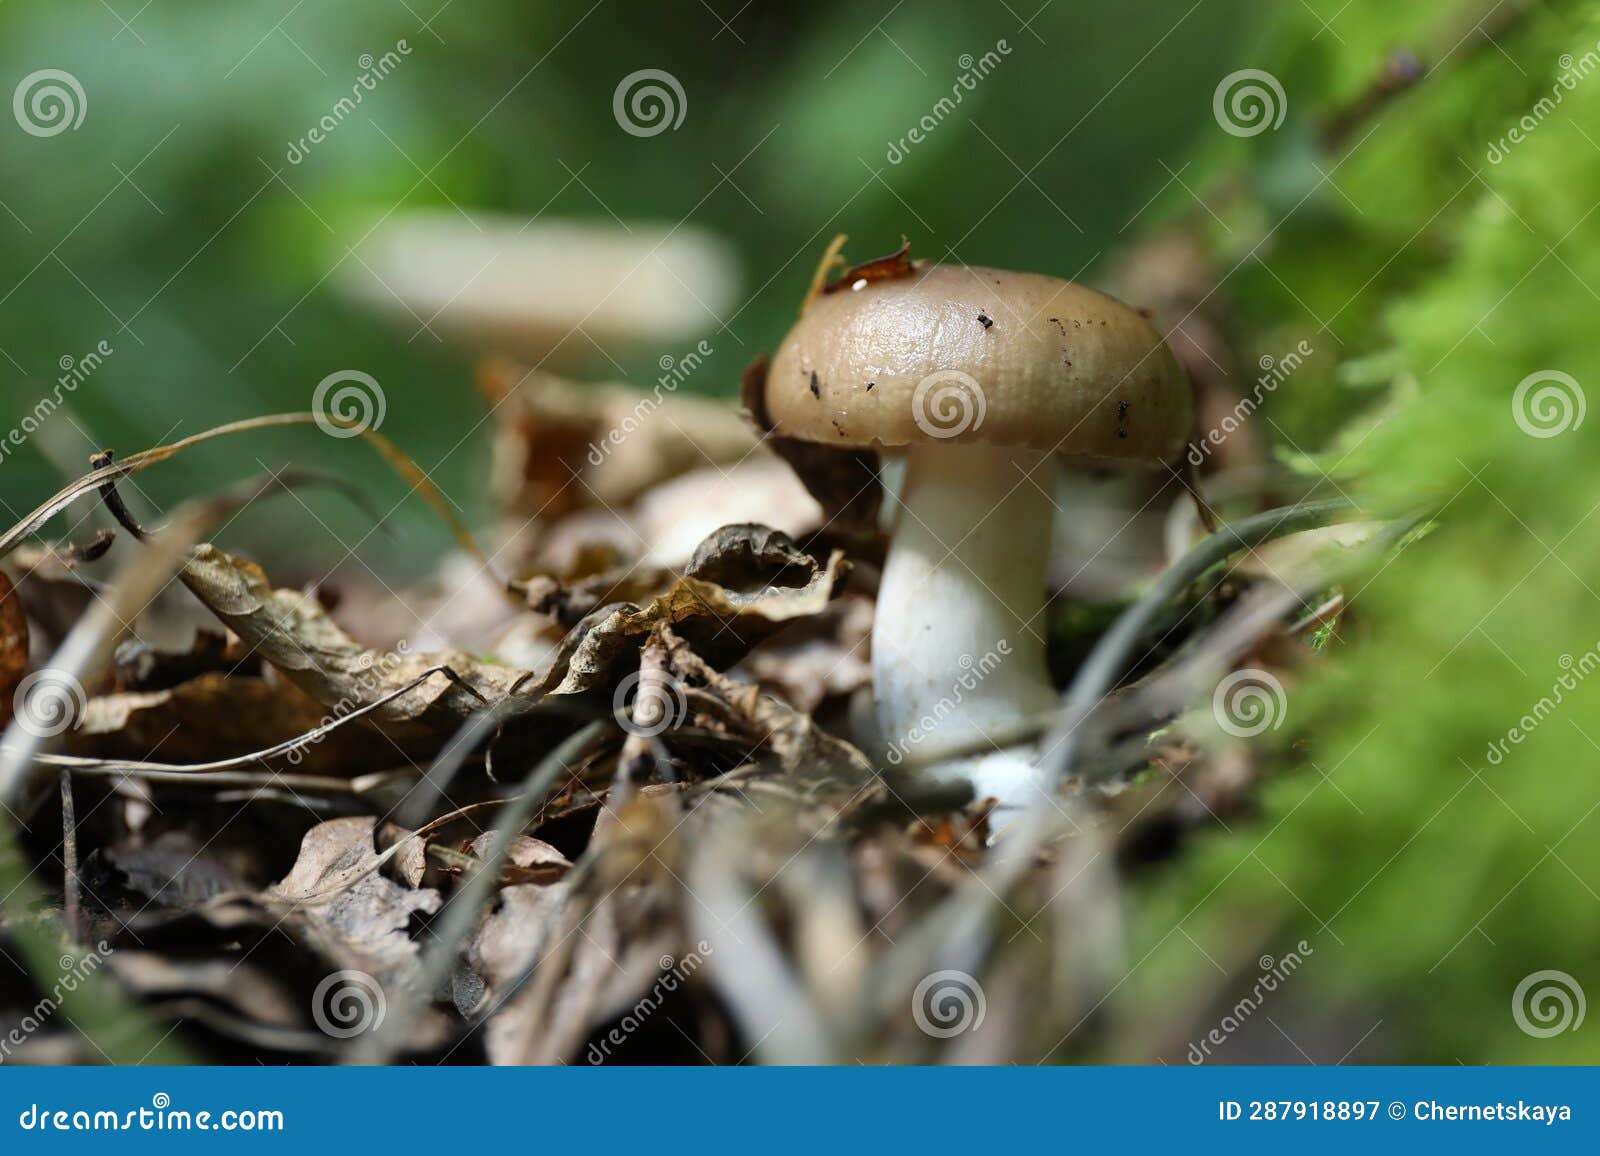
(543, 289)
(982, 376)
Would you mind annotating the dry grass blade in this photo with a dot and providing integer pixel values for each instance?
(397, 458)
(749, 968)
(178, 771)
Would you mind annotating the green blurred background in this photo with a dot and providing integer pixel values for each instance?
(172, 224)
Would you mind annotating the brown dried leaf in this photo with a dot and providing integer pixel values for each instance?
(291, 630)
(891, 267)
(216, 717)
(515, 934)
(742, 583)
(602, 954)
(756, 721)
(337, 899)
(140, 666)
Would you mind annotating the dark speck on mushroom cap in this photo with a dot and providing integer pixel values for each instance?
(1040, 382)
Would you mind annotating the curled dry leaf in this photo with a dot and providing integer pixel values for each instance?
(755, 722)
(292, 631)
(740, 586)
(891, 267)
(336, 898)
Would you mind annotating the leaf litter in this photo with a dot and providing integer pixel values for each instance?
(641, 824)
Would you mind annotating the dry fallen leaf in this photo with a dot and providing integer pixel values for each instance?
(336, 898)
(216, 716)
(740, 586)
(292, 631)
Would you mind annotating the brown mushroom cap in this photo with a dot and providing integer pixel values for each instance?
(966, 354)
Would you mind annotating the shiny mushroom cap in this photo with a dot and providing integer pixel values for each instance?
(966, 354)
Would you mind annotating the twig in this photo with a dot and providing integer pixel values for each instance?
(113, 500)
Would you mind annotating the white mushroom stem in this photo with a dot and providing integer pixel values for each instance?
(958, 654)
